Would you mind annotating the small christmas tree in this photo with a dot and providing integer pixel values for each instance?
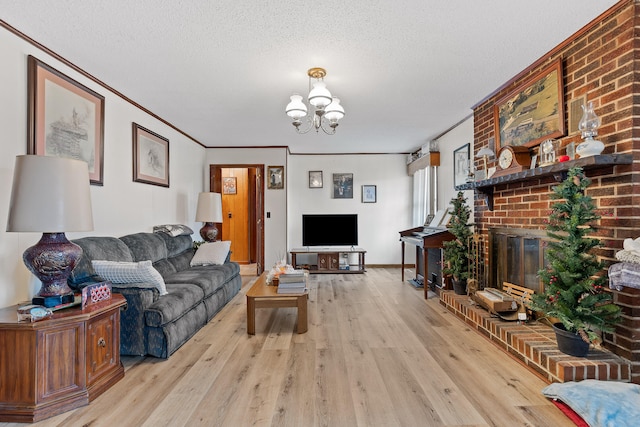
(573, 279)
(456, 252)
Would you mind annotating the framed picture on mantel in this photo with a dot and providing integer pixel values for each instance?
(532, 112)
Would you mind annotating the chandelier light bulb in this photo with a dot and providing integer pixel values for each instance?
(319, 96)
(334, 111)
(296, 108)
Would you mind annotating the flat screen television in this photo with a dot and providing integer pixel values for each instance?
(330, 230)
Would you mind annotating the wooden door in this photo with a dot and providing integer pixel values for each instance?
(258, 220)
(235, 211)
(243, 212)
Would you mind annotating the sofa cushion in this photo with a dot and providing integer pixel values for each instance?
(109, 248)
(209, 279)
(176, 245)
(145, 246)
(164, 267)
(182, 261)
(129, 273)
(180, 298)
(211, 253)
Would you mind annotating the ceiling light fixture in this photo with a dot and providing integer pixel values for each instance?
(325, 109)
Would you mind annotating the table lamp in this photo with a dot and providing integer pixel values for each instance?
(51, 195)
(209, 211)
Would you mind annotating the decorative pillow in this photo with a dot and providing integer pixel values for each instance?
(130, 272)
(173, 230)
(211, 253)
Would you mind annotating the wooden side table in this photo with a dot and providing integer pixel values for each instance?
(262, 295)
(58, 364)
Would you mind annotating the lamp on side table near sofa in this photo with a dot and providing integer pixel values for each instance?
(51, 195)
(209, 211)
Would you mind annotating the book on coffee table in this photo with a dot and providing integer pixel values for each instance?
(292, 290)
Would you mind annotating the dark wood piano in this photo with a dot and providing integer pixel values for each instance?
(423, 238)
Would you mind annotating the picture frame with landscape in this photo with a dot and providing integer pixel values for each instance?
(533, 111)
(65, 118)
(150, 157)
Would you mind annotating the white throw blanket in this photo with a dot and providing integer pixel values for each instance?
(627, 272)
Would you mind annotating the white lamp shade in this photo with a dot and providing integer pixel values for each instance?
(209, 207)
(50, 195)
(485, 152)
(319, 96)
(334, 111)
(296, 108)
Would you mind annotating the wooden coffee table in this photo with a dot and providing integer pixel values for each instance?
(262, 295)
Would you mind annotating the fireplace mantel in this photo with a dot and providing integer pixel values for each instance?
(557, 170)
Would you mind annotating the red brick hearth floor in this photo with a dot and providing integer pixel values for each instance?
(534, 345)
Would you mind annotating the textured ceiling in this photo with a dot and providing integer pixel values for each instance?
(223, 71)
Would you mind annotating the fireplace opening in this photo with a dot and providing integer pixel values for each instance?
(515, 256)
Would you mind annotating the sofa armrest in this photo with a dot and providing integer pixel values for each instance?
(132, 321)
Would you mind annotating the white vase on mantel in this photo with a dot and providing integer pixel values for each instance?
(588, 125)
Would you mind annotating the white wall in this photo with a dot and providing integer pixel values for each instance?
(448, 143)
(121, 206)
(378, 223)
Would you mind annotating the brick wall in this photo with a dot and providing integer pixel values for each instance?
(601, 62)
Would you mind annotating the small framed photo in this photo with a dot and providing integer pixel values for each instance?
(229, 185)
(369, 194)
(534, 161)
(275, 177)
(343, 186)
(150, 157)
(315, 179)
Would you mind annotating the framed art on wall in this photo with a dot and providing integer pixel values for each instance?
(150, 157)
(65, 118)
(532, 112)
(275, 177)
(229, 184)
(369, 194)
(461, 165)
(343, 186)
(315, 179)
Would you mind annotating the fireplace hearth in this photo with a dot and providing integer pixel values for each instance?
(534, 345)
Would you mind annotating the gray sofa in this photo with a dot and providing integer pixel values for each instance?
(153, 324)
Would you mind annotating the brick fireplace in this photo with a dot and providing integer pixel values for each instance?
(601, 64)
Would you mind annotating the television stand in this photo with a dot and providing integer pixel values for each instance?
(323, 260)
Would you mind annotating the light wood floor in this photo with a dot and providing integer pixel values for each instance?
(376, 354)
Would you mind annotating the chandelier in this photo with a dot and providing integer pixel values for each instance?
(325, 110)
